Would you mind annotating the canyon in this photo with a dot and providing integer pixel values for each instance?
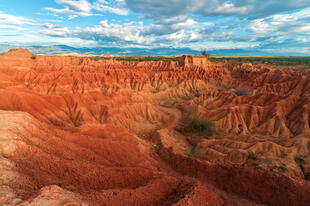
(78, 130)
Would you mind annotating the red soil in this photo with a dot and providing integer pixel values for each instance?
(78, 131)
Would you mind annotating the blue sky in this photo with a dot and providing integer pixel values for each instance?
(271, 26)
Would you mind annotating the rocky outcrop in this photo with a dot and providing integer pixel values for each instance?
(192, 61)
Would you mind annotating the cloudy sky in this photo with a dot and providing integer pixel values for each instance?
(265, 25)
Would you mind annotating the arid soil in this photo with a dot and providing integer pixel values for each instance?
(77, 131)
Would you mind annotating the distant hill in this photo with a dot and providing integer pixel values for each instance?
(58, 49)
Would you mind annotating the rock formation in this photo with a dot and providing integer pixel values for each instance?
(77, 130)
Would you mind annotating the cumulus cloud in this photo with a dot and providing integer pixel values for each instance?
(105, 8)
(242, 8)
(283, 24)
(174, 20)
(170, 25)
(75, 8)
(106, 32)
(78, 6)
(57, 32)
(126, 33)
(114, 6)
(173, 31)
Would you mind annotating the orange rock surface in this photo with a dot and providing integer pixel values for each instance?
(76, 131)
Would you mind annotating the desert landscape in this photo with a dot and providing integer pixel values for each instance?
(95, 130)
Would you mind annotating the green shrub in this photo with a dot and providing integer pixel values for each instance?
(273, 61)
(243, 92)
(204, 53)
(147, 58)
(202, 126)
(252, 156)
(96, 58)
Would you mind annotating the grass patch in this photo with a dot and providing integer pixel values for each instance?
(136, 58)
(96, 58)
(147, 58)
(274, 61)
(201, 126)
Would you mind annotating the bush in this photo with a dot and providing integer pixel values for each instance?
(243, 92)
(252, 156)
(204, 127)
(307, 176)
(204, 53)
(96, 58)
(33, 57)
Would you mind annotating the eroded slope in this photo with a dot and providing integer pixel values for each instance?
(79, 131)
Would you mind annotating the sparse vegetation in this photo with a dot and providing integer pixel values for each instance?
(282, 168)
(204, 53)
(33, 57)
(274, 61)
(307, 176)
(300, 159)
(201, 126)
(243, 92)
(138, 58)
(96, 58)
(252, 156)
(147, 58)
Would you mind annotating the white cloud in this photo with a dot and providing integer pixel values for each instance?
(245, 8)
(283, 24)
(14, 20)
(105, 32)
(180, 22)
(105, 8)
(10, 27)
(164, 26)
(73, 8)
(68, 11)
(176, 37)
(116, 7)
(170, 31)
(84, 8)
(56, 31)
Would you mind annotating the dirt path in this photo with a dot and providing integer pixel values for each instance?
(177, 114)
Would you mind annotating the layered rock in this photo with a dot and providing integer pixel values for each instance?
(76, 130)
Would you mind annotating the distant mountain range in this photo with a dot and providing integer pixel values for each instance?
(58, 49)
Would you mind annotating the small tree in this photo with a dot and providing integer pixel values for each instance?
(204, 53)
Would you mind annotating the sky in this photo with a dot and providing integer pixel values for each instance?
(270, 26)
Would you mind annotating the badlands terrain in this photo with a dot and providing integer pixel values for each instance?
(80, 130)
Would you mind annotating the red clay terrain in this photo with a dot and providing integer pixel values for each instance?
(77, 131)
